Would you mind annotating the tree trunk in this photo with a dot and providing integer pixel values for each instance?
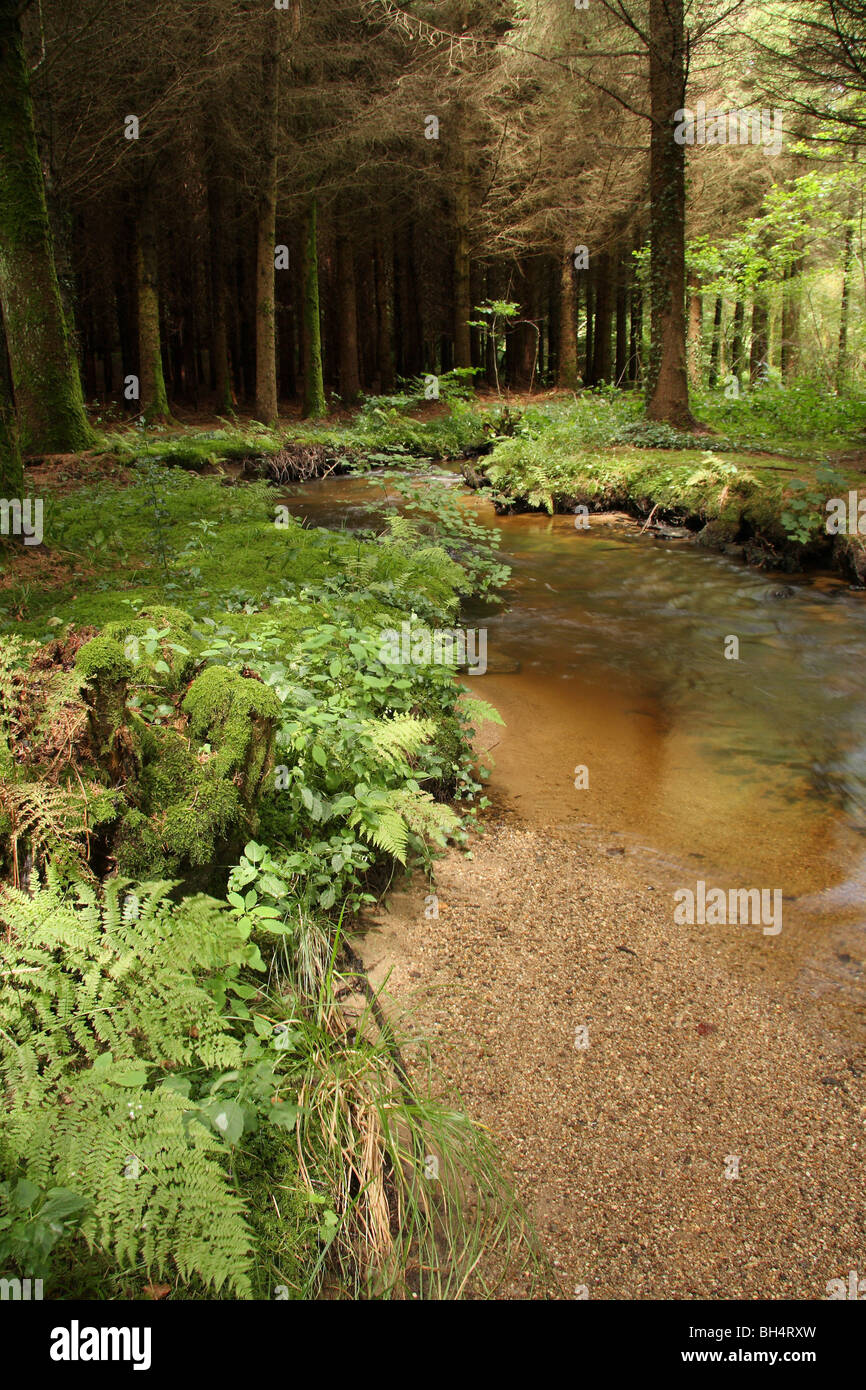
(287, 317)
(601, 357)
(620, 369)
(314, 389)
(589, 281)
(790, 335)
(635, 345)
(713, 379)
(411, 332)
(350, 381)
(266, 337)
(695, 331)
(844, 306)
(567, 376)
(760, 347)
(47, 386)
(153, 401)
(219, 338)
(462, 270)
(737, 340)
(491, 347)
(11, 469)
(384, 312)
(668, 389)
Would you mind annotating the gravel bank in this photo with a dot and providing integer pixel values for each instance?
(698, 1054)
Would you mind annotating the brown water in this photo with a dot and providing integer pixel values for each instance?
(745, 773)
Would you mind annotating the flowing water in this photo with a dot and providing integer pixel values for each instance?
(608, 653)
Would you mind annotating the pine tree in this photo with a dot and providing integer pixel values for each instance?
(48, 394)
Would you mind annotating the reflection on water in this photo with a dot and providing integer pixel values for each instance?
(752, 771)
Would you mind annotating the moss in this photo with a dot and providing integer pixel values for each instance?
(104, 668)
(48, 395)
(185, 813)
(191, 832)
(169, 772)
(101, 806)
(181, 628)
(103, 661)
(139, 852)
(238, 716)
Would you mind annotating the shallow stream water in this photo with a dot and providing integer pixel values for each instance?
(608, 653)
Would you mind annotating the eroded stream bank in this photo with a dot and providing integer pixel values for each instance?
(706, 1043)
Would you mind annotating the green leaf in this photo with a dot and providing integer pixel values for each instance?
(24, 1194)
(228, 1120)
(61, 1203)
(284, 1114)
(272, 886)
(129, 1078)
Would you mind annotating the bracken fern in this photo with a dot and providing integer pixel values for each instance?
(101, 999)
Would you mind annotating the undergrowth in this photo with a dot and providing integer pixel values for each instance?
(234, 1028)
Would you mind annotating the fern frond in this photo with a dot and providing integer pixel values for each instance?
(98, 1005)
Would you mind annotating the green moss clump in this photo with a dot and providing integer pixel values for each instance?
(238, 717)
(185, 810)
(102, 661)
(176, 649)
(106, 671)
(140, 853)
(190, 833)
(189, 805)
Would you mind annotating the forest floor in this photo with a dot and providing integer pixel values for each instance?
(620, 1148)
(753, 480)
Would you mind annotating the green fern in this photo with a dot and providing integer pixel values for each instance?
(393, 740)
(101, 999)
(48, 820)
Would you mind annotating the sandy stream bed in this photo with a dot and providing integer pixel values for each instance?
(701, 1048)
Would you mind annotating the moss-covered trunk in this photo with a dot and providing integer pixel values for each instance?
(567, 373)
(11, 470)
(759, 354)
(314, 389)
(667, 384)
(47, 386)
(153, 399)
(844, 303)
(266, 343)
(713, 379)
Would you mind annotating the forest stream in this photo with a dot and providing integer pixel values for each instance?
(608, 652)
(629, 1065)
